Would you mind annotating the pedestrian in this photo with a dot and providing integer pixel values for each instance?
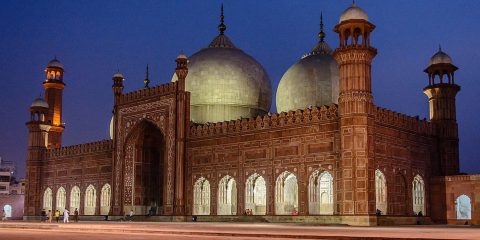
(75, 215)
(65, 215)
(57, 215)
(43, 215)
(50, 216)
(4, 215)
(130, 216)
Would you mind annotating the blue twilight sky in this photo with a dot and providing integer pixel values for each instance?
(92, 38)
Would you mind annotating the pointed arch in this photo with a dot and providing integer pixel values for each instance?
(105, 197)
(47, 199)
(463, 207)
(75, 199)
(61, 199)
(90, 200)
(380, 192)
(227, 196)
(201, 197)
(320, 193)
(418, 192)
(286, 194)
(256, 194)
(143, 172)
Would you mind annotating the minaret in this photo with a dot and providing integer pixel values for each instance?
(117, 89)
(117, 86)
(354, 56)
(38, 129)
(53, 86)
(183, 121)
(441, 92)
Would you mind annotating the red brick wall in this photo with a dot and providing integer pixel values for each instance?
(267, 146)
(445, 191)
(79, 165)
(14, 200)
(403, 149)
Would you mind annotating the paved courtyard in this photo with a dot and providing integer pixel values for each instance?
(135, 230)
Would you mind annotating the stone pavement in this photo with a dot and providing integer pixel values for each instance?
(199, 230)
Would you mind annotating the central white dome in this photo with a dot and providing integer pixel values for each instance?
(226, 84)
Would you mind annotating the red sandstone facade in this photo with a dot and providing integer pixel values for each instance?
(157, 155)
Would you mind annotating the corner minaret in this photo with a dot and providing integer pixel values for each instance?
(357, 165)
(441, 92)
(38, 134)
(54, 86)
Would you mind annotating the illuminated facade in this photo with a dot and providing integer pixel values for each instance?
(178, 149)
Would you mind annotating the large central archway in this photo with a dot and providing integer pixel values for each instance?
(144, 170)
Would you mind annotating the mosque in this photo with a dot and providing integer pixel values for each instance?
(206, 145)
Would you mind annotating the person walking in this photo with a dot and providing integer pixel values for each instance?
(57, 215)
(65, 215)
(130, 216)
(50, 216)
(75, 215)
(4, 215)
(43, 215)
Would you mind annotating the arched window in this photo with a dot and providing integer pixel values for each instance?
(201, 197)
(320, 193)
(90, 200)
(463, 207)
(61, 199)
(227, 196)
(256, 194)
(47, 199)
(418, 190)
(7, 209)
(105, 199)
(75, 199)
(381, 192)
(286, 194)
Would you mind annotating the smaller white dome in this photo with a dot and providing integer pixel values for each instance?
(39, 102)
(55, 63)
(181, 56)
(440, 57)
(353, 12)
(118, 75)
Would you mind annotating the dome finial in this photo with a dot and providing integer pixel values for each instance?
(439, 47)
(221, 26)
(353, 3)
(146, 81)
(321, 34)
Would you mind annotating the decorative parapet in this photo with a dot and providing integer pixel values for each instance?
(456, 178)
(162, 89)
(275, 120)
(103, 145)
(389, 117)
